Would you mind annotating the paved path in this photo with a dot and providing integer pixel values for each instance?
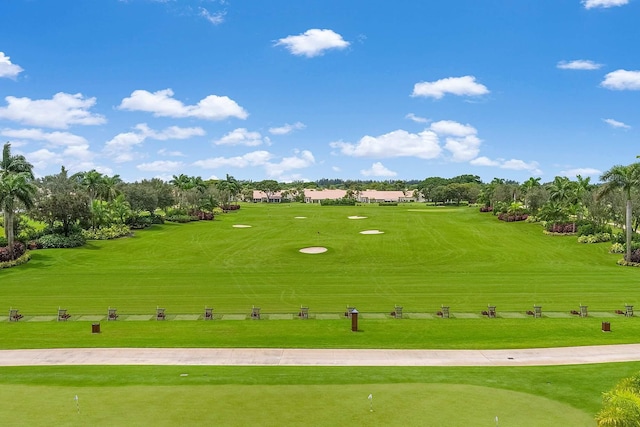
(320, 357)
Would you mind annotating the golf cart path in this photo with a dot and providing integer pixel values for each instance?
(320, 357)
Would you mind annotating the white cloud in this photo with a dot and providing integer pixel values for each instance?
(164, 152)
(579, 64)
(336, 169)
(55, 138)
(242, 136)
(120, 146)
(622, 80)
(162, 104)
(484, 161)
(416, 119)
(398, 143)
(160, 166)
(215, 18)
(616, 124)
(590, 4)
(450, 127)
(301, 160)
(512, 164)
(465, 85)
(461, 140)
(581, 171)
(378, 169)
(42, 158)
(287, 128)
(255, 158)
(313, 42)
(59, 112)
(7, 69)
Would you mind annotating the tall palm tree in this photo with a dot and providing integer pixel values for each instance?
(625, 179)
(527, 186)
(15, 188)
(109, 187)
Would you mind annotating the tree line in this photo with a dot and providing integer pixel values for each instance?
(93, 200)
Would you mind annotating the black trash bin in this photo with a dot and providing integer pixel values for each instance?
(606, 327)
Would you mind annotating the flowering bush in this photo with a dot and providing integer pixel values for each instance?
(512, 218)
(19, 261)
(486, 208)
(18, 250)
(563, 228)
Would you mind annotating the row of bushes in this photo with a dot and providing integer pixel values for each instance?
(181, 218)
(230, 207)
(388, 204)
(486, 208)
(50, 241)
(512, 218)
(15, 262)
(338, 202)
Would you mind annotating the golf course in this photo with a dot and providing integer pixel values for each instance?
(377, 258)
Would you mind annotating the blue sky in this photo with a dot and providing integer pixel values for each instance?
(302, 90)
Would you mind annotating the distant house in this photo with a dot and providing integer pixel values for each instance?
(367, 196)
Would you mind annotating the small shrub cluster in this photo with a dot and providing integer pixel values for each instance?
(338, 202)
(486, 209)
(617, 248)
(50, 241)
(595, 238)
(18, 250)
(230, 207)
(107, 233)
(512, 218)
(388, 204)
(202, 216)
(3, 241)
(589, 228)
(561, 228)
(19, 261)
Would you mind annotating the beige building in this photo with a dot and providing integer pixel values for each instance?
(366, 196)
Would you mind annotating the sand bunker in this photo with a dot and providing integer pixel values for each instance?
(372, 232)
(357, 217)
(241, 226)
(300, 217)
(313, 250)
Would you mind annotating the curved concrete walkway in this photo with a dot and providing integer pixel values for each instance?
(320, 357)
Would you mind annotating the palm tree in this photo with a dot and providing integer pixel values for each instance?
(109, 187)
(92, 182)
(15, 188)
(527, 186)
(16, 177)
(626, 179)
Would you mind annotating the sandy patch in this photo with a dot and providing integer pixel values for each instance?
(241, 226)
(372, 232)
(301, 217)
(313, 250)
(357, 217)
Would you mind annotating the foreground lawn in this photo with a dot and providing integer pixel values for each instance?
(407, 334)
(155, 395)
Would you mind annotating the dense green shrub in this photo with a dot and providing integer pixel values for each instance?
(3, 241)
(107, 233)
(388, 204)
(587, 228)
(49, 241)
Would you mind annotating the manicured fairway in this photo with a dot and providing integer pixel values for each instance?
(426, 257)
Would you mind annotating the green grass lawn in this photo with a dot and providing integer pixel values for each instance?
(157, 395)
(427, 257)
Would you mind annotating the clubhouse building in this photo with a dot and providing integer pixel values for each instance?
(316, 196)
